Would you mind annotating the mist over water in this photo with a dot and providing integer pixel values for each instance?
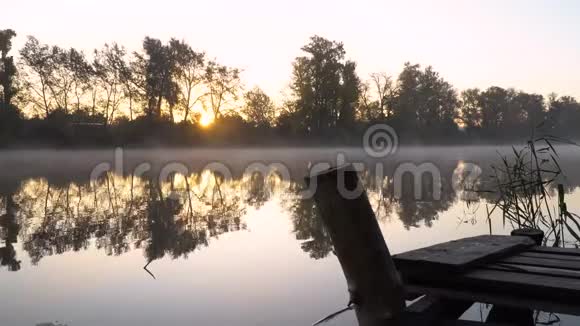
(239, 250)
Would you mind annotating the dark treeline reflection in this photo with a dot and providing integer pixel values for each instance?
(9, 229)
(122, 213)
(49, 213)
(118, 214)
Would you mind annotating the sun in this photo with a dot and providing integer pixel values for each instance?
(205, 120)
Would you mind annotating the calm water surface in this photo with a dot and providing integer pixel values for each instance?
(238, 249)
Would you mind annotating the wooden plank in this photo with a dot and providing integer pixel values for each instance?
(553, 289)
(522, 284)
(534, 254)
(546, 271)
(542, 262)
(506, 299)
(457, 256)
(559, 251)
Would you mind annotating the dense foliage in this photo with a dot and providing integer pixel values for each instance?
(169, 93)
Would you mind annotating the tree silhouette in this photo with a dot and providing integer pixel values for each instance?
(158, 66)
(7, 68)
(190, 77)
(531, 109)
(470, 111)
(498, 110)
(223, 85)
(10, 118)
(37, 69)
(112, 79)
(494, 107)
(348, 96)
(376, 98)
(324, 85)
(258, 108)
(424, 99)
(71, 73)
(157, 95)
(564, 111)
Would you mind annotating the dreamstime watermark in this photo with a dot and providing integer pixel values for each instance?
(418, 172)
(379, 142)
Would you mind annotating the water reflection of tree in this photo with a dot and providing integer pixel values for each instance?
(413, 211)
(117, 214)
(9, 230)
(63, 223)
(174, 218)
(257, 190)
(178, 228)
(308, 227)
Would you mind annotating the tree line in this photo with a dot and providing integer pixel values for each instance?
(167, 92)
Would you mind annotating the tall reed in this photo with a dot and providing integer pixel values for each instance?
(522, 184)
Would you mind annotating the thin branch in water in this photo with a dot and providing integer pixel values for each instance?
(147, 270)
(334, 314)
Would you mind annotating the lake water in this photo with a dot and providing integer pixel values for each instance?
(223, 243)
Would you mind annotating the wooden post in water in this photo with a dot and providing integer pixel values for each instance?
(535, 234)
(373, 282)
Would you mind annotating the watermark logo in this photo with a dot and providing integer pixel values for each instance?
(380, 140)
(417, 172)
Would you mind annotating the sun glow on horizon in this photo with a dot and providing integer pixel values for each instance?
(206, 119)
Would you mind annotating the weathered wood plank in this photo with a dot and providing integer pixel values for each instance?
(521, 284)
(457, 256)
(559, 251)
(505, 298)
(546, 271)
(543, 255)
(542, 262)
(516, 316)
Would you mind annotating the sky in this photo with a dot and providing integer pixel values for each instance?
(530, 45)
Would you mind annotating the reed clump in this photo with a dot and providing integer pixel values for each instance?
(523, 184)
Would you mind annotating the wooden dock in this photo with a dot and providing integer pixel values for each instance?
(512, 273)
(532, 277)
